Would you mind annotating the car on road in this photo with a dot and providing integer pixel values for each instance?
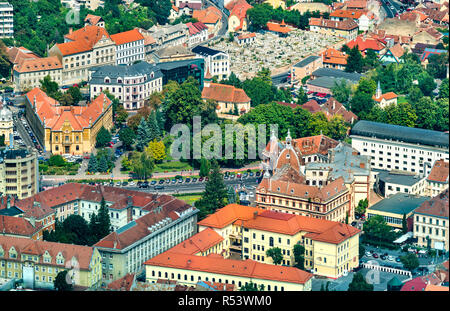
(132, 184)
(125, 183)
(382, 257)
(161, 181)
(168, 181)
(225, 177)
(194, 179)
(238, 175)
(258, 173)
(368, 254)
(180, 181)
(391, 258)
(232, 176)
(139, 184)
(251, 174)
(397, 259)
(200, 179)
(153, 182)
(245, 175)
(118, 184)
(188, 180)
(158, 187)
(375, 255)
(174, 181)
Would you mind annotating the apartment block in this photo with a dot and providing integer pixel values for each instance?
(6, 20)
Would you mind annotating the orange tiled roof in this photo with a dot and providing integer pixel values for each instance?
(210, 15)
(122, 284)
(93, 19)
(436, 288)
(243, 268)
(38, 64)
(347, 24)
(386, 96)
(437, 206)
(365, 43)
(199, 242)
(55, 115)
(225, 93)
(333, 56)
(239, 9)
(282, 28)
(82, 40)
(439, 172)
(83, 254)
(397, 50)
(246, 36)
(360, 4)
(314, 144)
(332, 107)
(127, 37)
(228, 215)
(354, 14)
(18, 54)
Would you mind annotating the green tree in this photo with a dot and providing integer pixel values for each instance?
(361, 103)
(92, 165)
(341, 91)
(377, 230)
(5, 64)
(410, 261)
(60, 282)
(337, 127)
(367, 86)
(56, 160)
(259, 91)
(78, 229)
(143, 135)
(414, 95)
(142, 165)
(401, 114)
(49, 86)
(359, 283)
(2, 140)
(301, 96)
(75, 93)
(259, 15)
(276, 254)
(444, 89)
(103, 137)
(102, 165)
(299, 256)
(215, 194)
(362, 205)
(426, 84)
(301, 119)
(154, 132)
(371, 60)
(437, 65)
(319, 124)
(442, 115)
(426, 112)
(127, 137)
(355, 61)
(104, 220)
(204, 167)
(156, 150)
(251, 287)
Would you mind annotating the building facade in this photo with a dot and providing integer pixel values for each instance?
(129, 47)
(19, 172)
(131, 85)
(6, 20)
(347, 29)
(437, 180)
(216, 62)
(67, 129)
(29, 73)
(6, 122)
(393, 147)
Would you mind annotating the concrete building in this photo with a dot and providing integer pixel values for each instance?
(394, 147)
(389, 183)
(362, 18)
(305, 68)
(347, 29)
(216, 62)
(39, 262)
(198, 33)
(90, 46)
(6, 20)
(431, 222)
(172, 54)
(169, 35)
(333, 58)
(393, 208)
(179, 71)
(19, 172)
(67, 129)
(162, 227)
(131, 85)
(129, 47)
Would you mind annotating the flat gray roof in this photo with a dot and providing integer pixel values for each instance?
(306, 61)
(401, 133)
(328, 82)
(400, 203)
(336, 73)
(398, 179)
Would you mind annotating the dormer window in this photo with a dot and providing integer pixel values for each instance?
(288, 156)
(107, 80)
(119, 80)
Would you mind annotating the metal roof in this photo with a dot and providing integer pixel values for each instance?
(205, 51)
(328, 82)
(306, 61)
(399, 178)
(400, 133)
(120, 71)
(400, 203)
(336, 73)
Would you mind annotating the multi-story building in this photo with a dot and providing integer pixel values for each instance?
(395, 208)
(129, 47)
(19, 172)
(67, 129)
(172, 54)
(94, 20)
(131, 85)
(31, 210)
(363, 18)
(162, 227)
(305, 68)
(211, 17)
(216, 62)
(12, 226)
(431, 222)
(6, 20)
(250, 232)
(437, 180)
(90, 46)
(39, 262)
(6, 122)
(333, 58)
(389, 183)
(169, 35)
(347, 29)
(179, 71)
(237, 19)
(394, 147)
(29, 73)
(343, 161)
(198, 33)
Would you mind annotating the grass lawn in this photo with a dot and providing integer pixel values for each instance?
(188, 198)
(172, 167)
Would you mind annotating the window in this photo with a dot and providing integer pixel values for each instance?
(271, 241)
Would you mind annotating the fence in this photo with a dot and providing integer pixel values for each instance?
(387, 269)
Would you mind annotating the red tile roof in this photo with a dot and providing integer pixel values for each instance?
(312, 106)
(246, 36)
(281, 28)
(354, 14)
(210, 15)
(437, 206)
(127, 37)
(347, 24)
(359, 4)
(365, 44)
(239, 9)
(242, 268)
(439, 172)
(415, 285)
(333, 56)
(228, 215)
(55, 115)
(92, 19)
(314, 144)
(199, 242)
(17, 54)
(38, 64)
(122, 284)
(385, 96)
(83, 254)
(18, 226)
(225, 93)
(332, 107)
(82, 40)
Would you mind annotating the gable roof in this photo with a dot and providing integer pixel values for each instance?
(348, 24)
(365, 44)
(38, 64)
(199, 242)
(385, 96)
(82, 40)
(225, 93)
(18, 226)
(228, 215)
(210, 15)
(439, 172)
(127, 37)
(437, 206)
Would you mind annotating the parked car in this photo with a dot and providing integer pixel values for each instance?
(174, 181)
(251, 174)
(125, 183)
(158, 187)
(368, 254)
(391, 258)
(225, 177)
(375, 255)
(194, 179)
(188, 180)
(245, 175)
(258, 173)
(180, 181)
(139, 184)
(132, 184)
(232, 176)
(161, 181)
(168, 181)
(153, 182)
(397, 259)
(382, 257)
(200, 179)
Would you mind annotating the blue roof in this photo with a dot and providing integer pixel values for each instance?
(400, 203)
(126, 227)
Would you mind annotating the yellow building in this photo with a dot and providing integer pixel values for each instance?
(38, 262)
(237, 20)
(6, 122)
(67, 129)
(331, 248)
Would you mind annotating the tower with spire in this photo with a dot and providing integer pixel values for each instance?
(378, 92)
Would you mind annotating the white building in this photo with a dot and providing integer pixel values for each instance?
(198, 33)
(129, 47)
(393, 182)
(131, 85)
(216, 62)
(394, 147)
(6, 20)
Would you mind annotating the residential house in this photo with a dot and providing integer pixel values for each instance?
(198, 33)
(305, 68)
(29, 72)
(211, 17)
(129, 47)
(179, 71)
(386, 99)
(363, 18)
(437, 180)
(230, 100)
(332, 108)
(364, 44)
(281, 29)
(11, 226)
(237, 20)
(393, 54)
(347, 29)
(94, 20)
(333, 58)
(246, 38)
